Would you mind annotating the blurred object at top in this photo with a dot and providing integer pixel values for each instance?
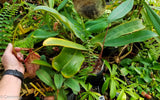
(90, 8)
(2, 1)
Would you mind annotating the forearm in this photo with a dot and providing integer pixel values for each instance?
(10, 87)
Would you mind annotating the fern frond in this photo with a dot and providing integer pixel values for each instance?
(7, 13)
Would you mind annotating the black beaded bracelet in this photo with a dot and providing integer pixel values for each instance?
(15, 73)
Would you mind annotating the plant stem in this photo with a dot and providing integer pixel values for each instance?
(100, 56)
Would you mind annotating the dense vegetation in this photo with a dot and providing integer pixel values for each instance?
(110, 53)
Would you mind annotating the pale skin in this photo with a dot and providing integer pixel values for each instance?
(10, 85)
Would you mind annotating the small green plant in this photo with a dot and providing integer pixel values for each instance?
(88, 94)
(112, 81)
(143, 70)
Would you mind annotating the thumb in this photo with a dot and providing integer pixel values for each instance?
(9, 48)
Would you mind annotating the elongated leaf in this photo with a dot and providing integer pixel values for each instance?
(105, 85)
(84, 96)
(62, 5)
(45, 77)
(118, 79)
(114, 70)
(120, 30)
(156, 67)
(134, 95)
(131, 38)
(41, 62)
(69, 62)
(62, 42)
(121, 10)
(73, 84)
(51, 3)
(96, 26)
(87, 87)
(124, 29)
(95, 95)
(107, 65)
(90, 97)
(154, 17)
(42, 34)
(146, 19)
(58, 80)
(63, 19)
(122, 96)
(61, 95)
(154, 7)
(76, 22)
(48, 69)
(112, 89)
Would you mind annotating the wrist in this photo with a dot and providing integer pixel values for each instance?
(11, 78)
(18, 69)
(14, 73)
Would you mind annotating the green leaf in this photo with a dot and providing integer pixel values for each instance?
(156, 66)
(41, 62)
(146, 20)
(61, 95)
(45, 77)
(107, 65)
(96, 26)
(87, 87)
(77, 22)
(95, 95)
(84, 96)
(61, 18)
(51, 3)
(43, 34)
(48, 69)
(147, 78)
(158, 88)
(62, 5)
(126, 62)
(121, 10)
(62, 42)
(124, 29)
(105, 85)
(140, 98)
(90, 97)
(118, 79)
(119, 30)
(73, 84)
(154, 17)
(134, 95)
(124, 71)
(137, 70)
(122, 95)
(68, 62)
(112, 89)
(58, 80)
(114, 70)
(131, 38)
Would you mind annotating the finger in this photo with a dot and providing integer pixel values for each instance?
(8, 49)
(20, 56)
(17, 49)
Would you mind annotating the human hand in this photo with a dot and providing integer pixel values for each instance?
(11, 61)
